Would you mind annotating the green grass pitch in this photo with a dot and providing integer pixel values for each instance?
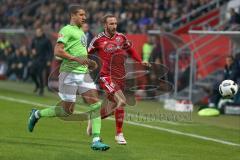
(212, 138)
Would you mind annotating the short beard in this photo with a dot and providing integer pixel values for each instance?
(111, 32)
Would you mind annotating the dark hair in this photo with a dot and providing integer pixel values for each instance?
(39, 27)
(105, 17)
(74, 8)
(230, 56)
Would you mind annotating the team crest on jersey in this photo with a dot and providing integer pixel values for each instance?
(118, 40)
(83, 40)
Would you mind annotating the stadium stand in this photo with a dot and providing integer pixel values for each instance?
(136, 16)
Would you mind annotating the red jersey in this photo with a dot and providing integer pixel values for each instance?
(112, 55)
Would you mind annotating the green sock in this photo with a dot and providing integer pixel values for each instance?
(96, 121)
(96, 126)
(55, 111)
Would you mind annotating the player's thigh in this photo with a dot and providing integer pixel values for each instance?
(67, 87)
(88, 90)
(113, 89)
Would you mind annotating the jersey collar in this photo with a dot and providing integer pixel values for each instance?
(108, 36)
(73, 25)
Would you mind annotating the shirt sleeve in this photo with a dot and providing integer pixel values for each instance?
(63, 36)
(92, 46)
(133, 53)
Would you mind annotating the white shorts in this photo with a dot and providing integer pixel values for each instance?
(72, 83)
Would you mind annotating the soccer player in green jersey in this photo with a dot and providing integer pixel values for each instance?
(74, 77)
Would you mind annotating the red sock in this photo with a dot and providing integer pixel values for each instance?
(119, 117)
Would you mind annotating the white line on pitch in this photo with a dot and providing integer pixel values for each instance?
(134, 123)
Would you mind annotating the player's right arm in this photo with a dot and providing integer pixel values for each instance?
(59, 51)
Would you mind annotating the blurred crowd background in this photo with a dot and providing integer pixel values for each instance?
(135, 16)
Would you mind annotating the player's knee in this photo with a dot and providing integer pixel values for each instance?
(122, 102)
(69, 111)
(68, 107)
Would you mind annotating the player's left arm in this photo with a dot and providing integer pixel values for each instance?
(127, 45)
(133, 53)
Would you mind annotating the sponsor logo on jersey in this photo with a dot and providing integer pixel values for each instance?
(110, 48)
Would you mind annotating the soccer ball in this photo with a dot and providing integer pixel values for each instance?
(228, 88)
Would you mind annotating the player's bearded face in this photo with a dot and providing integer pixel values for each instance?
(111, 25)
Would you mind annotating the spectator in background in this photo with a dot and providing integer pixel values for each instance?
(4, 43)
(138, 15)
(230, 72)
(88, 33)
(5, 56)
(235, 17)
(5, 53)
(155, 59)
(15, 66)
(237, 65)
(25, 59)
(156, 55)
(146, 53)
(42, 55)
(147, 49)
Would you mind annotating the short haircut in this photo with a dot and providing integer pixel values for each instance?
(39, 27)
(230, 56)
(74, 8)
(105, 17)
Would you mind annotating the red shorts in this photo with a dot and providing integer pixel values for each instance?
(111, 86)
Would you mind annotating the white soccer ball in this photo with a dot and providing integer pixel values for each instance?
(228, 88)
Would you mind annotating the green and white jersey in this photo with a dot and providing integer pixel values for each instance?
(75, 44)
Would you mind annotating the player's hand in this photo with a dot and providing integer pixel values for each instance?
(82, 61)
(92, 65)
(146, 64)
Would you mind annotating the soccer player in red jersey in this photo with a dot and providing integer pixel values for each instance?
(112, 49)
